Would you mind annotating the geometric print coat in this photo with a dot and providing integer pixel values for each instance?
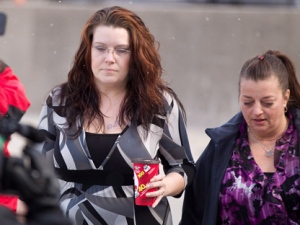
(90, 195)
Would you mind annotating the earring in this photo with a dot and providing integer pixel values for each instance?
(285, 109)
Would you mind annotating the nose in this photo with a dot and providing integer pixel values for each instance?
(110, 57)
(257, 109)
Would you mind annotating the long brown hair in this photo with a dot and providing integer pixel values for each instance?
(274, 63)
(145, 87)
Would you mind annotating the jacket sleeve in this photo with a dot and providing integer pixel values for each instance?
(13, 99)
(13, 104)
(47, 126)
(197, 193)
(174, 148)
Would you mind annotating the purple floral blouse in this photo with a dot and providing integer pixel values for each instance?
(249, 196)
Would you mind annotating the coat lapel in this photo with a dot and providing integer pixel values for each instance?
(131, 144)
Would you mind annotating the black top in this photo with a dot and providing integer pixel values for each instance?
(99, 146)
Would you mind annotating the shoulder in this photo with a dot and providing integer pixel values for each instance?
(56, 91)
(56, 102)
(168, 97)
(55, 96)
(170, 101)
(227, 130)
(222, 140)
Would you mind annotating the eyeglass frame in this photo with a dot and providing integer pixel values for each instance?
(120, 51)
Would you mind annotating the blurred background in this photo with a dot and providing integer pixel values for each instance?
(203, 45)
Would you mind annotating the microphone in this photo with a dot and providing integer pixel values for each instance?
(8, 127)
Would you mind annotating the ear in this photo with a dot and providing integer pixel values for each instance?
(286, 96)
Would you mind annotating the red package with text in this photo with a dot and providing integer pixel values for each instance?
(144, 170)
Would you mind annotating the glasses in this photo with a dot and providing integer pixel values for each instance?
(119, 51)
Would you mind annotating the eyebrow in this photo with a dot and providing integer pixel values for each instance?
(266, 97)
(119, 45)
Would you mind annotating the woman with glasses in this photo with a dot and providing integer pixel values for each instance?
(114, 108)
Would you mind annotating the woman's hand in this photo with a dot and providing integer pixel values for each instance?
(169, 185)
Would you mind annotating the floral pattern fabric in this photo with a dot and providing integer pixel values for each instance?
(250, 196)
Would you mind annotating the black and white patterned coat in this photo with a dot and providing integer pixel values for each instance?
(111, 200)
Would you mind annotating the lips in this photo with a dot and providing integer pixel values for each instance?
(259, 120)
(110, 70)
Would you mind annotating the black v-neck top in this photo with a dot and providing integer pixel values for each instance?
(100, 146)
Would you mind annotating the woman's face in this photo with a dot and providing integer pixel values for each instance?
(262, 104)
(110, 56)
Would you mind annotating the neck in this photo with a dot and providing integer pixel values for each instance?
(112, 92)
(111, 102)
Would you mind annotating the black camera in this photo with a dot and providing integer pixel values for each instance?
(29, 176)
(9, 126)
(2, 23)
